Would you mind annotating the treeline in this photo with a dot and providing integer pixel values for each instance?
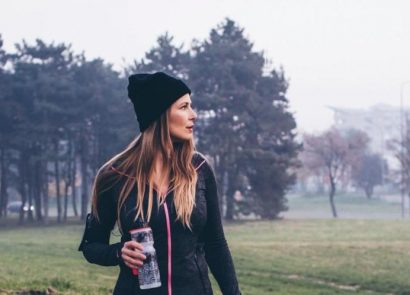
(62, 116)
(340, 159)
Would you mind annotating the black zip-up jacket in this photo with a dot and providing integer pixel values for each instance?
(188, 253)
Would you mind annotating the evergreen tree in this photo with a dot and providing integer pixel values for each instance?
(242, 112)
(6, 130)
(164, 57)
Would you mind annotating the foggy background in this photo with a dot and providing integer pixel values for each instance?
(336, 53)
(347, 65)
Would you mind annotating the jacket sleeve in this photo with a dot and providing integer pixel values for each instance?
(217, 253)
(95, 243)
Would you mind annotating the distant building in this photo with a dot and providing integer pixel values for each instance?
(381, 122)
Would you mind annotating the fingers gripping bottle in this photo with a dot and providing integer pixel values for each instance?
(148, 273)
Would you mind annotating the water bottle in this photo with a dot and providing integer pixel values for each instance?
(148, 273)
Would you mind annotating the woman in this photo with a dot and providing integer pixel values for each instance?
(160, 179)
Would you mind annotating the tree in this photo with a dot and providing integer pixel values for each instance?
(67, 115)
(164, 57)
(244, 122)
(6, 130)
(334, 152)
(273, 153)
(401, 149)
(40, 74)
(62, 110)
(102, 121)
(369, 172)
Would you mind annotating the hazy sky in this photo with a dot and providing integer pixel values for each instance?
(349, 53)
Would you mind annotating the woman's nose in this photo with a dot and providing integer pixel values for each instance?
(194, 115)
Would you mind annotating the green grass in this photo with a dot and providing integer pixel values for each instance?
(282, 257)
(348, 206)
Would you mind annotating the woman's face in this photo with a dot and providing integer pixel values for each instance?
(181, 119)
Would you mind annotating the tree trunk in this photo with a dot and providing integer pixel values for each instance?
(66, 187)
(409, 201)
(84, 180)
(369, 191)
(230, 167)
(30, 183)
(3, 183)
(22, 184)
(68, 175)
(331, 197)
(45, 193)
(57, 180)
(403, 205)
(229, 196)
(73, 185)
(222, 186)
(37, 190)
(84, 189)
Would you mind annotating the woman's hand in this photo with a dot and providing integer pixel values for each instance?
(131, 254)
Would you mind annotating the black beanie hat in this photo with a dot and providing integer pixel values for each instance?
(153, 94)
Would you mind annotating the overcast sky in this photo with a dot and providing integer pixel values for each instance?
(349, 53)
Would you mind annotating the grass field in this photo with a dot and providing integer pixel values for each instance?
(282, 257)
(297, 255)
(349, 206)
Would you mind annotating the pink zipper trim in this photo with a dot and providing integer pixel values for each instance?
(169, 248)
(200, 165)
(168, 230)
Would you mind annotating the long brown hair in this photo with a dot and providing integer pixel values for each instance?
(136, 162)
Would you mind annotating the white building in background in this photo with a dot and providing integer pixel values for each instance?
(381, 122)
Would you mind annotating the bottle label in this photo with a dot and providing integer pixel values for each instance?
(148, 273)
(149, 276)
